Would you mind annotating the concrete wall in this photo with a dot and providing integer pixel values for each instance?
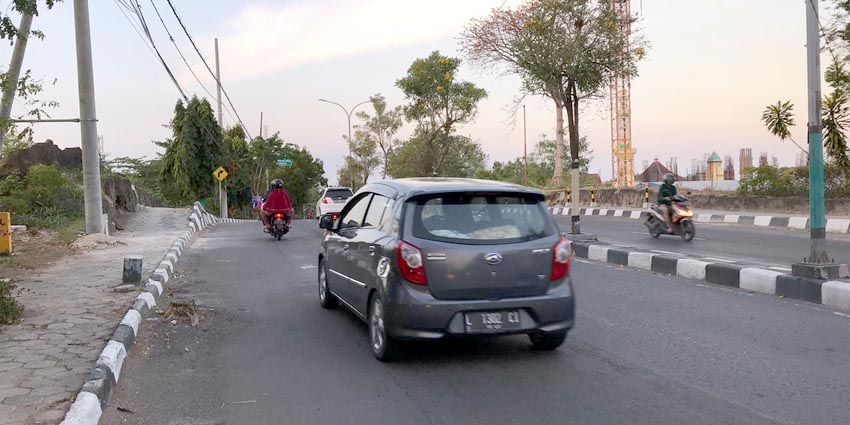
(633, 198)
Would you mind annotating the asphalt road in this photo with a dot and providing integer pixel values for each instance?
(732, 242)
(646, 350)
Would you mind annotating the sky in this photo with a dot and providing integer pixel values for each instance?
(712, 67)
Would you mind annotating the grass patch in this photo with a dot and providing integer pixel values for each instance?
(11, 311)
(71, 229)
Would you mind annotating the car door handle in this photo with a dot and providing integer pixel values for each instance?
(372, 250)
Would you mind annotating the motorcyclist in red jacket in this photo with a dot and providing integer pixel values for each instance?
(276, 201)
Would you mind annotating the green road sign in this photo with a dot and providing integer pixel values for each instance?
(283, 162)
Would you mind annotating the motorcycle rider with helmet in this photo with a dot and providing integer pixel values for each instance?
(277, 201)
(665, 200)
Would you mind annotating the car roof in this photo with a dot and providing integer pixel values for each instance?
(338, 188)
(410, 187)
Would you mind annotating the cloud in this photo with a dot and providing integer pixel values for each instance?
(263, 39)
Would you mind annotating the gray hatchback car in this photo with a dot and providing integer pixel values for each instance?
(428, 258)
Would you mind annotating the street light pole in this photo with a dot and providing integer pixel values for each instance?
(525, 145)
(818, 264)
(348, 115)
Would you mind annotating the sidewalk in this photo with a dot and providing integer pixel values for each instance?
(71, 312)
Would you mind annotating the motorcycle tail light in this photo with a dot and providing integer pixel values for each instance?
(278, 216)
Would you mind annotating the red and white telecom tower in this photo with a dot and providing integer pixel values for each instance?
(623, 155)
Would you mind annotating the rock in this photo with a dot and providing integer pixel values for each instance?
(125, 288)
(46, 153)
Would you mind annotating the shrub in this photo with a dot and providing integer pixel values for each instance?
(44, 198)
(776, 182)
(10, 309)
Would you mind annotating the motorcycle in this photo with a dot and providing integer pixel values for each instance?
(682, 221)
(279, 226)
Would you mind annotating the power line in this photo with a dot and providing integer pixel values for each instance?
(137, 9)
(227, 96)
(823, 32)
(185, 61)
(132, 24)
(147, 32)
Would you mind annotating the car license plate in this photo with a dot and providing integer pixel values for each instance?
(492, 321)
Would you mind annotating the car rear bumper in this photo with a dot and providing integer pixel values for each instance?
(330, 208)
(412, 313)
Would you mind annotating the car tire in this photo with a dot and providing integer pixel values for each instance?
(326, 299)
(547, 341)
(384, 347)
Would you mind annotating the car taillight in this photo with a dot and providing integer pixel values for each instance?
(278, 216)
(561, 259)
(324, 200)
(409, 259)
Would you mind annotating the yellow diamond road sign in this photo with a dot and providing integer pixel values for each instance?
(220, 173)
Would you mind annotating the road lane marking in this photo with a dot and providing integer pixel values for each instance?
(309, 266)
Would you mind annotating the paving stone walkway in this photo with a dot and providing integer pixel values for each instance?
(71, 311)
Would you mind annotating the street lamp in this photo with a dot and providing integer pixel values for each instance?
(348, 115)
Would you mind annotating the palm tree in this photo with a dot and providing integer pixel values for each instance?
(836, 116)
(779, 119)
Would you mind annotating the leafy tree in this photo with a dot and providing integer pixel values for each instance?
(836, 115)
(8, 30)
(264, 151)
(303, 179)
(779, 119)
(541, 163)
(438, 103)
(414, 158)
(364, 159)
(27, 88)
(195, 150)
(566, 50)
(383, 126)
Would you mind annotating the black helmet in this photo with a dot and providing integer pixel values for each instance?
(669, 179)
(277, 184)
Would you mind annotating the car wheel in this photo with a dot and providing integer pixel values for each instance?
(383, 346)
(326, 298)
(547, 341)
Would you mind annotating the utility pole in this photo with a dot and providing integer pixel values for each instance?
(88, 119)
(14, 70)
(261, 123)
(222, 189)
(818, 264)
(218, 84)
(525, 144)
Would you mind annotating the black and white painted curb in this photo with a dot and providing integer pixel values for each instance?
(753, 279)
(833, 225)
(103, 378)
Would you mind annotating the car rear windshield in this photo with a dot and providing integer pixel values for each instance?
(481, 218)
(338, 194)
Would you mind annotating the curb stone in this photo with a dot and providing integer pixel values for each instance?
(833, 225)
(103, 378)
(833, 293)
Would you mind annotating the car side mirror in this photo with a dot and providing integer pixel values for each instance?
(326, 222)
